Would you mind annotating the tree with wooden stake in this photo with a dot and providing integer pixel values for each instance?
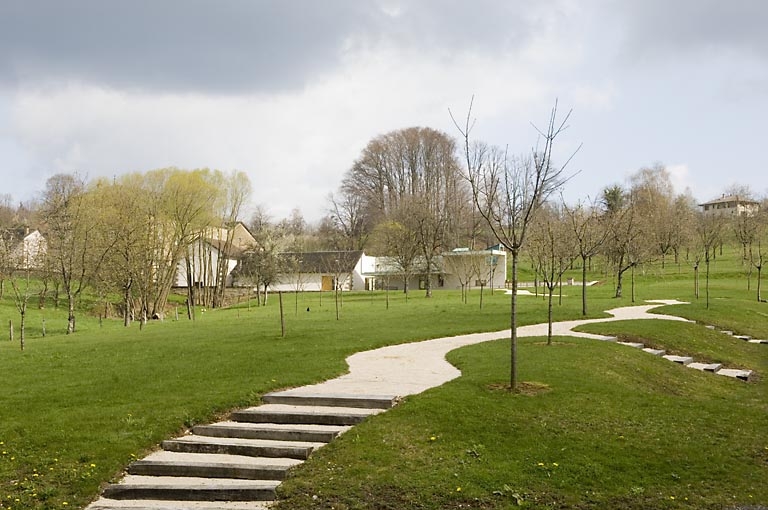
(508, 194)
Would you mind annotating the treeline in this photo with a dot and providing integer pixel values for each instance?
(412, 194)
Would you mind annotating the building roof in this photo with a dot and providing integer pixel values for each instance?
(729, 199)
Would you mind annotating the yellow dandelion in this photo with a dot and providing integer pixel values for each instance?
(432, 438)
(555, 464)
(458, 489)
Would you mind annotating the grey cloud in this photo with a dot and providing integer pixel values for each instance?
(230, 45)
(172, 45)
(669, 28)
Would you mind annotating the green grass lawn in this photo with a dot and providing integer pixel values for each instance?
(612, 427)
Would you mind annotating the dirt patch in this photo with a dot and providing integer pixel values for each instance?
(527, 388)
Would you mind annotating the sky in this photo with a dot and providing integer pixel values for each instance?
(291, 91)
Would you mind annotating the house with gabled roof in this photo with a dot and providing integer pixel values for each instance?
(23, 249)
(207, 249)
(732, 205)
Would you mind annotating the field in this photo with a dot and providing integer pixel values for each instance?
(609, 427)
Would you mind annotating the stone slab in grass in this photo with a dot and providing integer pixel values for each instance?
(655, 352)
(726, 332)
(706, 367)
(743, 337)
(683, 360)
(633, 344)
(756, 341)
(735, 372)
(709, 326)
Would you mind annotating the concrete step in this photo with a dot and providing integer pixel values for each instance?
(277, 432)
(191, 489)
(737, 373)
(150, 504)
(683, 360)
(757, 341)
(291, 397)
(206, 465)
(706, 367)
(655, 352)
(236, 446)
(317, 415)
(636, 345)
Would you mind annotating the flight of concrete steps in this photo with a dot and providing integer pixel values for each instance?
(238, 464)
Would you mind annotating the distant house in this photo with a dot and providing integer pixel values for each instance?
(25, 250)
(322, 270)
(731, 205)
(208, 247)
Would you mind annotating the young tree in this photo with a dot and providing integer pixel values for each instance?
(399, 240)
(74, 241)
(553, 247)
(709, 231)
(466, 266)
(590, 233)
(509, 193)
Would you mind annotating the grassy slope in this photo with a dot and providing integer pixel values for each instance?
(76, 409)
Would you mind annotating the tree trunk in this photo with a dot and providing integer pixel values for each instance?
(759, 272)
(70, 313)
(633, 283)
(22, 326)
(707, 284)
(127, 304)
(551, 288)
(190, 290)
(583, 286)
(513, 325)
(696, 280)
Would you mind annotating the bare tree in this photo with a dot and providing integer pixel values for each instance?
(590, 233)
(553, 247)
(709, 230)
(466, 267)
(508, 193)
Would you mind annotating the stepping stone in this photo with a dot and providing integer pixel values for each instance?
(191, 489)
(655, 352)
(736, 373)
(632, 344)
(743, 337)
(292, 397)
(754, 341)
(683, 360)
(709, 326)
(726, 332)
(706, 367)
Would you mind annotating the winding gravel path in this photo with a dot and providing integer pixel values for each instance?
(408, 369)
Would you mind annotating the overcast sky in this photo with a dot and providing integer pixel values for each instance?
(291, 91)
